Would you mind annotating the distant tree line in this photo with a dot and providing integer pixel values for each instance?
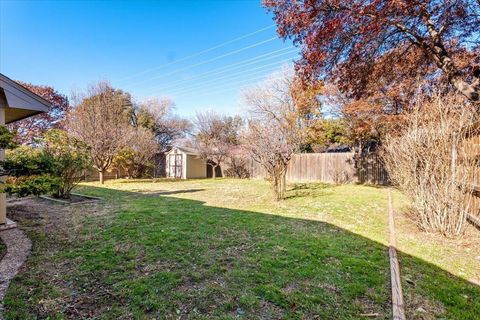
(49, 153)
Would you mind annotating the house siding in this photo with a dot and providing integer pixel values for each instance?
(196, 168)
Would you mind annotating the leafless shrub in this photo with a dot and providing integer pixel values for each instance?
(429, 160)
(237, 167)
(136, 158)
(340, 175)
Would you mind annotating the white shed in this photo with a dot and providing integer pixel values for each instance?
(184, 163)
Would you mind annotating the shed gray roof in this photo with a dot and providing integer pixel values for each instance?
(19, 101)
(188, 150)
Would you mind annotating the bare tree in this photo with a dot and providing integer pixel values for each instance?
(215, 137)
(100, 119)
(138, 156)
(275, 129)
(157, 115)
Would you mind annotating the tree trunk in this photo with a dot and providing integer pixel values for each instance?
(445, 63)
(284, 183)
(276, 189)
(221, 171)
(443, 60)
(101, 174)
(277, 184)
(214, 171)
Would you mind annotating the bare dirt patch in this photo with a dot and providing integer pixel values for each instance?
(3, 249)
(52, 226)
(73, 199)
(36, 214)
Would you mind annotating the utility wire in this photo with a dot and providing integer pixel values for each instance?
(245, 83)
(196, 54)
(230, 77)
(207, 61)
(227, 68)
(229, 85)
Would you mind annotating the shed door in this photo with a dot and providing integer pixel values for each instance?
(175, 163)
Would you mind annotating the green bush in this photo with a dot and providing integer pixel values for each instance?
(7, 138)
(31, 185)
(27, 161)
(28, 171)
(54, 167)
(68, 156)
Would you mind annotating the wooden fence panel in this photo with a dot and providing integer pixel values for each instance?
(370, 169)
(330, 167)
(473, 149)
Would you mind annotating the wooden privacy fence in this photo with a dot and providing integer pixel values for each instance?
(330, 167)
(157, 171)
(473, 148)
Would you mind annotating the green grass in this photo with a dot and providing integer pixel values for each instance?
(457, 259)
(222, 249)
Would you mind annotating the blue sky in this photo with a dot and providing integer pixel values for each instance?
(199, 53)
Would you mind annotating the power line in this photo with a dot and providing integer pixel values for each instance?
(243, 73)
(233, 76)
(228, 85)
(233, 86)
(229, 67)
(197, 53)
(209, 60)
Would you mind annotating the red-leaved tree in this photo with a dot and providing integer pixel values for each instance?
(349, 41)
(30, 128)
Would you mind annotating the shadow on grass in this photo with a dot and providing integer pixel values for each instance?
(165, 193)
(155, 180)
(310, 186)
(306, 189)
(376, 186)
(167, 257)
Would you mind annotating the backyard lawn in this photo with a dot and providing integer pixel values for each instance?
(203, 249)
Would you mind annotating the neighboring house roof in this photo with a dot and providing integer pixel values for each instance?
(186, 150)
(335, 148)
(19, 102)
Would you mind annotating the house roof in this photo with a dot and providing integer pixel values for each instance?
(338, 148)
(186, 150)
(19, 102)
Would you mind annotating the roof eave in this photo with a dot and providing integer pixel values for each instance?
(19, 102)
